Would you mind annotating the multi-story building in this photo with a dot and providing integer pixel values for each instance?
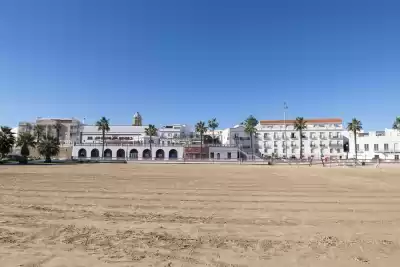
(321, 138)
(376, 144)
(69, 132)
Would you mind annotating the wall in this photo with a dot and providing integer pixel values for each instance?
(127, 150)
(223, 153)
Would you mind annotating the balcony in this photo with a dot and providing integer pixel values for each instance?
(314, 137)
(294, 137)
(304, 137)
(267, 137)
(337, 145)
(323, 145)
(323, 137)
(313, 146)
(277, 137)
(294, 145)
(335, 137)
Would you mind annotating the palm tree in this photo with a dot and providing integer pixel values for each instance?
(7, 140)
(151, 131)
(250, 128)
(300, 125)
(212, 125)
(47, 147)
(58, 126)
(103, 125)
(26, 140)
(201, 128)
(354, 126)
(38, 131)
(396, 124)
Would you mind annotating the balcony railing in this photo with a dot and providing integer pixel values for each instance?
(267, 137)
(314, 137)
(277, 137)
(313, 145)
(323, 137)
(294, 145)
(335, 137)
(335, 144)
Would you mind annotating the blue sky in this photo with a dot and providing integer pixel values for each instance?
(181, 61)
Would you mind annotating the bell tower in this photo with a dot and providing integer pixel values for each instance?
(137, 119)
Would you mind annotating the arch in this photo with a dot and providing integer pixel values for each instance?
(133, 154)
(218, 156)
(95, 153)
(160, 154)
(108, 153)
(120, 153)
(173, 154)
(82, 153)
(146, 154)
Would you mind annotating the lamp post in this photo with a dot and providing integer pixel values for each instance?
(285, 107)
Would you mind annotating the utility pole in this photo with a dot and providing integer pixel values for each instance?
(285, 107)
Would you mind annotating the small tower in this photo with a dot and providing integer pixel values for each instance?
(137, 119)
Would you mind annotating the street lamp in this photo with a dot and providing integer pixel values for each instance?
(285, 107)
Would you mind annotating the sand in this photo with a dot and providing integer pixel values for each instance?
(198, 215)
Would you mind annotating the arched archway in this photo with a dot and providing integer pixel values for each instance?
(108, 153)
(146, 154)
(95, 153)
(160, 154)
(120, 153)
(173, 154)
(218, 156)
(82, 153)
(133, 154)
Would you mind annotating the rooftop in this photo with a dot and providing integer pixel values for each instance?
(308, 121)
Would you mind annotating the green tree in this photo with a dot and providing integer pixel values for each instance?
(396, 124)
(7, 140)
(300, 125)
(103, 125)
(212, 125)
(26, 140)
(58, 126)
(201, 128)
(354, 126)
(48, 147)
(250, 128)
(151, 131)
(38, 131)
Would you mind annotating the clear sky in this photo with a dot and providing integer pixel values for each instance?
(181, 61)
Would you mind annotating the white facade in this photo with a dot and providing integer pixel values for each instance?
(376, 144)
(322, 138)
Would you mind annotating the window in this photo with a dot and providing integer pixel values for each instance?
(386, 147)
(338, 150)
(331, 150)
(376, 147)
(366, 147)
(229, 155)
(212, 155)
(275, 144)
(90, 138)
(293, 135)
(357, 147)
(396, 157)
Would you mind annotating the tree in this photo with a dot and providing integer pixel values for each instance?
(38, 131)
(212, 125)
(201, 128)
(48, 147)
(26, 140)
(300, 125)
(103, 125)
(58, 126)
(396, 124)
(354, 126)
(250, 128)
(7, 140)
(151, 131)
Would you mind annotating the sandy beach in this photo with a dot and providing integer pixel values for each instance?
(198, 215)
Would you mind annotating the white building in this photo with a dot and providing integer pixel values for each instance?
(376, 144)
(125, 142)
(68, 134)
(322, 138)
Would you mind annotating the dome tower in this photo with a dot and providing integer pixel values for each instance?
(137, 119)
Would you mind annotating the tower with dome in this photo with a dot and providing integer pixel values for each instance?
(137, 119)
